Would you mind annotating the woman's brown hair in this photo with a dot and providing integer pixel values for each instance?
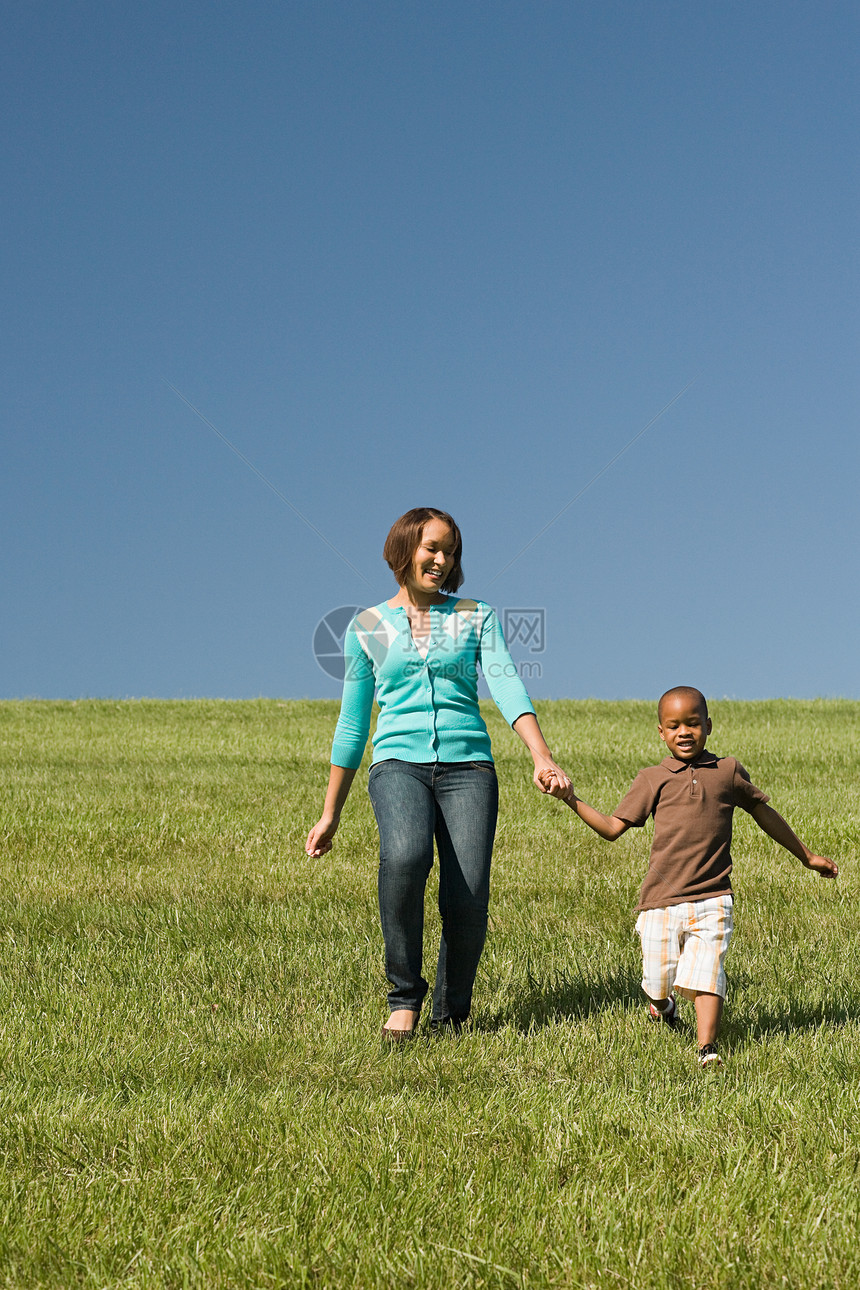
(405, 538)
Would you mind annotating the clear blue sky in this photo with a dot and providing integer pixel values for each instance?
(454, 254)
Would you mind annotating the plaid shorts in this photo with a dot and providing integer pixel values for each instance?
(685, 946)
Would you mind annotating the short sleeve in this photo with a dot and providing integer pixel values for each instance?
(639, 801)
(744, 793)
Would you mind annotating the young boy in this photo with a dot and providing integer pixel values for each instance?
(685, 903)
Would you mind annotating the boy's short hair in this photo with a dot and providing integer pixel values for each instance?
(683, 692)
(405, 537)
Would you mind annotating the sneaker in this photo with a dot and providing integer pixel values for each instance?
(669, 1017)
(709, 1057)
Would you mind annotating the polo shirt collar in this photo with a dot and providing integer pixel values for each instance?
(704, 758)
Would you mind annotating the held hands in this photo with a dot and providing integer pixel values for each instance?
(553, 781)
(821, 865)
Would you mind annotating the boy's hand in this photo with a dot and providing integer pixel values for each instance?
(823, 867)
(776, 827)
(551, 784)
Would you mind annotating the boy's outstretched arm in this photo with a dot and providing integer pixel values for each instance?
(777, 828)
(608, 826)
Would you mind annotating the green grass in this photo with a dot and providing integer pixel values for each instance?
(193, 1090)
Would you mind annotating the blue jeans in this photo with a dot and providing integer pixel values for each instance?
(457, 803)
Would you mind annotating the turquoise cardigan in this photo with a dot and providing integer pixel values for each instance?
(428, 707)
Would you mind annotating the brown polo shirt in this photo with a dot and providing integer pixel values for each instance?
(692, 804)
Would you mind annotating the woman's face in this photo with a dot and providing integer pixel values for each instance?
(433, 559)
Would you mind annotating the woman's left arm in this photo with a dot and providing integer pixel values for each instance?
(511, 698)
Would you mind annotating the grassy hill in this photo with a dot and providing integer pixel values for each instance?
(193, 1088)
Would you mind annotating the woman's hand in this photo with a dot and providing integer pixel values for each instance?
(319, 841)
(555, 783)
(529, 731)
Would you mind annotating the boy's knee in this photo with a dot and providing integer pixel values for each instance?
(657, 987)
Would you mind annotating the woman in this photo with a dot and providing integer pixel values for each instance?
(432, 773)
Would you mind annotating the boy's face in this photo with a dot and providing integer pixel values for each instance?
(684, 727)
